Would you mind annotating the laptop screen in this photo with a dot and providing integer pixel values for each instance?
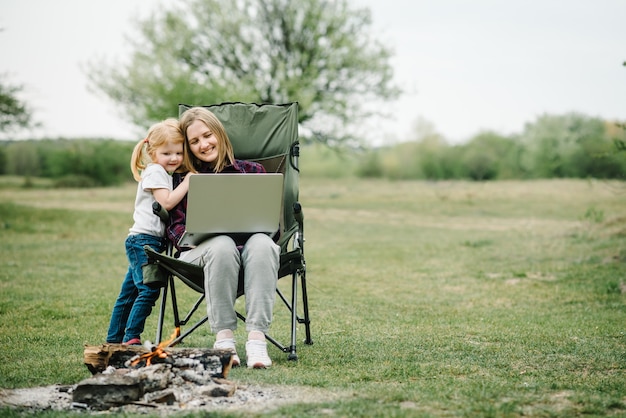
(232, 204)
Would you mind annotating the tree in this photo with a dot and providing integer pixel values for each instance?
(489, 156)
(14, 113)
(320, 53)
(563, 146)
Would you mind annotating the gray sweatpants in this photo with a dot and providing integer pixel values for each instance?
(222, 261)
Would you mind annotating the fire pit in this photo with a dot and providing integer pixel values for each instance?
(151, 374)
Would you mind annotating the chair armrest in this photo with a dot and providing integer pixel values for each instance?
(159, 211)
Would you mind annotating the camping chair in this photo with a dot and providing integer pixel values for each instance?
(267, 134)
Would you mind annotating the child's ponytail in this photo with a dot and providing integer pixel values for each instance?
(138, 158)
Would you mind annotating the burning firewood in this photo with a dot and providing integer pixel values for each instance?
(98, 358)
(119, 356)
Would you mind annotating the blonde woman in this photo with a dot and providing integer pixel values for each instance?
(221, 257)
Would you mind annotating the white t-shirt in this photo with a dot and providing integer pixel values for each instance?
(146, 222)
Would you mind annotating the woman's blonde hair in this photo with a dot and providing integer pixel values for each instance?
(159, 134)
(225, 154)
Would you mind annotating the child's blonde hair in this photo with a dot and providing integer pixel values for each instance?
(159, 134)
(225, 154)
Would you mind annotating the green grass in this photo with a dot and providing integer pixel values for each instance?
(449, 299)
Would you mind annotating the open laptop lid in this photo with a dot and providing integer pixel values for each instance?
(232, 204)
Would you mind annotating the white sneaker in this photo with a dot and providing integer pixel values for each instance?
(228, 344)
(256, 353)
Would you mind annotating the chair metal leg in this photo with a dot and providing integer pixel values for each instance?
(162, 308)
(178, 322)
(305, 306)
(181, 337)
(294, 317)
(174, 303)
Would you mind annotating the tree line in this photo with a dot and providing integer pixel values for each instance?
(69, 162)
(572, 145)
(553, 146)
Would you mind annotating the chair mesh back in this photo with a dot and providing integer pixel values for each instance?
(266, 133)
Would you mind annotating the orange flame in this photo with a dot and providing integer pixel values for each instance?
(159, 351)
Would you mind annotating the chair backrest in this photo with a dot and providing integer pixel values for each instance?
(268, 134)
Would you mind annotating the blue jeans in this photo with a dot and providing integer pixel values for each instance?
(135, 301)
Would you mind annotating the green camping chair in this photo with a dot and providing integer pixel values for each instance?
(267, 134)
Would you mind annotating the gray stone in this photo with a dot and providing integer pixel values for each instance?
(103, 391)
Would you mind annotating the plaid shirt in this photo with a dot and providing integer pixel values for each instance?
(178, 215)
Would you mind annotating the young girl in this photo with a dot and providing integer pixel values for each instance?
(153, 161)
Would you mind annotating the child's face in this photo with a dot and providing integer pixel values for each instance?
(169, 156)
(202, 142)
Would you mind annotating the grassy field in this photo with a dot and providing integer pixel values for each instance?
(448, 299)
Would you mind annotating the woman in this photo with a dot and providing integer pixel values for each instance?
(221, 258)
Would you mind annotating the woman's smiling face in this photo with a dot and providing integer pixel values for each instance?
(202, 142)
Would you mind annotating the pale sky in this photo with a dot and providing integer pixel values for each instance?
(466, 65)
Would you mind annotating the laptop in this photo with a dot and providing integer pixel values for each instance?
(236, 204)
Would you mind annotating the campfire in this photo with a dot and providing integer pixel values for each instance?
(150, 375)
(157, 352)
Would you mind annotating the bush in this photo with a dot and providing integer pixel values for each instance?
(3, 160)
(319, 161)
(570, 145)
(370, 165)
(489, 156)
(75, 181)
(76, 163)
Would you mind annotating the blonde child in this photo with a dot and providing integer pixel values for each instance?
(153, 162)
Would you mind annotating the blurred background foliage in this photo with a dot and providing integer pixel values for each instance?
(553, 146)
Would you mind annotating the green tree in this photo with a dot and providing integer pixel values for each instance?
(598, 156)
(320, 53)
(558, 146)
(14, 113)
(489, 156)
(3, 160)
(435, 159)
(90, 161)
(23, 159)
